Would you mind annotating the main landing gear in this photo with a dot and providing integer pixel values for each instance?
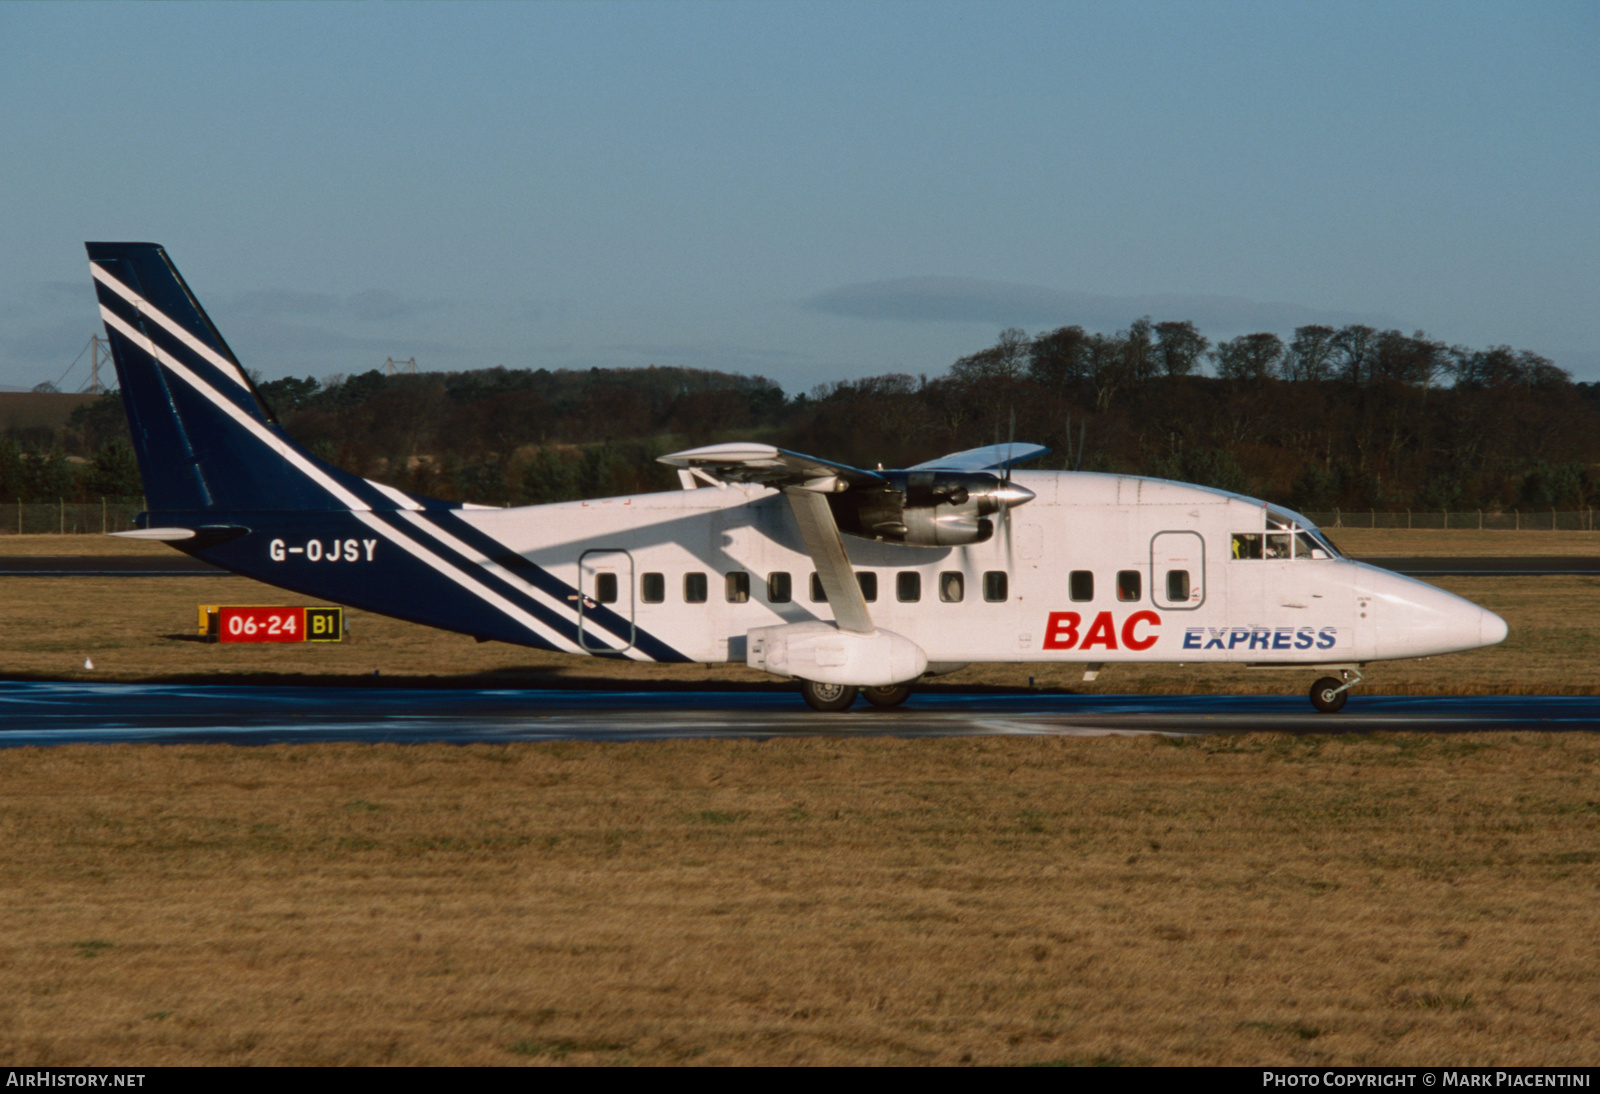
(889, 697)
(1329, 693)
(828, 698)
(833, 698)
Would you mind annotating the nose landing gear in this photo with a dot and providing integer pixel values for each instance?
(1329, 693)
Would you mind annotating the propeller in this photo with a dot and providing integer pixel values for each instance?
(1006, 496)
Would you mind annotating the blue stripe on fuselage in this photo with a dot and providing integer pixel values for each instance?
(398, 584)
(542, 579)
(393, 583)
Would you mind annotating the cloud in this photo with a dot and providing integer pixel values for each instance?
(278, 347)
(52, 300)
(713, 356)
(1008, 303)
(373, 305)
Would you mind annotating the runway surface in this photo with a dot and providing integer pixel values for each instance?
(178, 565)
(78, 713)
(173, 565)
(1530, 566)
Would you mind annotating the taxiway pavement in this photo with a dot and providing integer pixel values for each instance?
(40, 713)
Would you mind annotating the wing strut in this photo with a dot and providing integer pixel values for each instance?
(826, 548)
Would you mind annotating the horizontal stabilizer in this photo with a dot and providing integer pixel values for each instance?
(163, 535)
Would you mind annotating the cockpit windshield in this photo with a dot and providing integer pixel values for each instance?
(1288, 535)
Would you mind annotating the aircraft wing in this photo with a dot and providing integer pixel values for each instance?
(994, 457)
(803, 480)
(762, 463)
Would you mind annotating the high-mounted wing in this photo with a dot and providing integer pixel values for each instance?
(762, 463)
(804, 480)
(993, 457)
(945, 502)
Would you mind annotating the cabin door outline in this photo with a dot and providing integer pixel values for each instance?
(1183, 550)
(597, 571)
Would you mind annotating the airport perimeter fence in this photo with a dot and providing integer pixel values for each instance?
(1513, 520)
(35, 518)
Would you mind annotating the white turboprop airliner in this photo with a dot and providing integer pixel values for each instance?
(848, 580)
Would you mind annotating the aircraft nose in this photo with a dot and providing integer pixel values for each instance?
(1491, 629)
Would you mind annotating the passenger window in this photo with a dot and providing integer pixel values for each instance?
(1177, 585)
(1080, 585)
(952, 587)
(869, 585)
(1128, 585)
(908, 586)
(605, 588)
(817, 595)
(737, 585)
(694, 588)
(652, 588)
(995, 586)
(778, 590)
(1247, 545)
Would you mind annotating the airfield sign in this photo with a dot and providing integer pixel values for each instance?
(268, 623)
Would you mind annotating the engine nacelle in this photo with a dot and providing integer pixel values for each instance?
(944, 527)
(928, 508)
(822, 652)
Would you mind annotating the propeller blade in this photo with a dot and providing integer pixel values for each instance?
(1010, 493)
(1011, 440)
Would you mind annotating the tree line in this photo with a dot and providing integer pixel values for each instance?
(1349, 417)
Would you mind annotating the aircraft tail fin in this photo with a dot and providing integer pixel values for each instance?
(203, 437)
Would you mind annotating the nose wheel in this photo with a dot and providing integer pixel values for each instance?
(1328, 694)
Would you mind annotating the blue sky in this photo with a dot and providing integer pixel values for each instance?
(810, 192)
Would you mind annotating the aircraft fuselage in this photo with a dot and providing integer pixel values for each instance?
(1096, 568)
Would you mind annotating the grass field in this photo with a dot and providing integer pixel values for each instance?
(1266, 899)
(1255, 900)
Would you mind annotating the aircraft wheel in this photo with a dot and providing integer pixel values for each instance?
(888, 697)
(1326, 696)
(828, 698)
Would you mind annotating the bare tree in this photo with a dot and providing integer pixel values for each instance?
(1057, 361)
(1250, 357)
(1179, 347)
(1310, 355)
(1355, 348)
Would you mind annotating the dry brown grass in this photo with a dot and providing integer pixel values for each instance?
(1257, 900)
(97, 546)
(1363, 542)
(1254, 900)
